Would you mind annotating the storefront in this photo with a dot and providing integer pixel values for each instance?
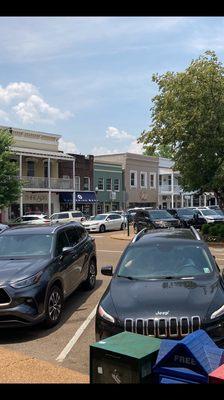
(34, 202)
(85, 201)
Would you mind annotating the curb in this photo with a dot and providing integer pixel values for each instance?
(121, 237)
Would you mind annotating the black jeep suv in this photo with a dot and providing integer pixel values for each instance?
(39, 267)
(166, 284)
(154, 219)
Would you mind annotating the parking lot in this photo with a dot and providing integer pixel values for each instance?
(68, 343)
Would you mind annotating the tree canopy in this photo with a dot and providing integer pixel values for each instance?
(188, 119)
(10, 186)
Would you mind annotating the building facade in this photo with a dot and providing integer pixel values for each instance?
(108, 182)
(84, 184)
(39, 162)
(140, 178)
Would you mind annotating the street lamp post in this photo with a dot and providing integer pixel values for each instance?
(96, 191)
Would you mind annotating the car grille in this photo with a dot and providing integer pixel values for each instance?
(163, 327)
(4, 297)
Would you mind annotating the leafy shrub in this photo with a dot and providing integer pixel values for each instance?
(213, 232)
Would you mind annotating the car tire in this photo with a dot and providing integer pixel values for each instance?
(54, 306)
(122, 226)
(90, 282)
(102, 229)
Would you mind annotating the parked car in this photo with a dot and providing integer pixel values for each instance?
(105, 222)
(3, 227)
(166, 284)
(39, 267)
(67, 216)
(123, 215)
(31, 219)
(185, 216)
(154, 219)
(206, 216)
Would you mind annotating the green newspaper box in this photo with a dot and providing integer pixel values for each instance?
(123, 358)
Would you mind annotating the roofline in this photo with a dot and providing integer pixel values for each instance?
(30, 131)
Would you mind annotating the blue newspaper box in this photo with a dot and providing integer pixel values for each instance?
(189, 360)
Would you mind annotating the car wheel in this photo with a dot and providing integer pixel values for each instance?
(102, 228)
(122, 226)
(54, 306)
(90, 282)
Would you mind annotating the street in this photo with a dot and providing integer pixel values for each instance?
(68, 343)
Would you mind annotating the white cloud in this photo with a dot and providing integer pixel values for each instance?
(68, 147)
(114, 133)
(35, 109)
(135, 147)
(23, 100)
(17, 90)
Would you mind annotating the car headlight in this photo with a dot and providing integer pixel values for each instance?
(32, 280)
(161, 223)
(105, 315)
(218, 312)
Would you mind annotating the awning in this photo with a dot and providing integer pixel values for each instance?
(80, 197)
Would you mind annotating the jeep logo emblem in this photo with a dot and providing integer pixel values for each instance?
(162, 312)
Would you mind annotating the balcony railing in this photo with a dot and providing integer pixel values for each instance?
(168, 189)
(42, 183)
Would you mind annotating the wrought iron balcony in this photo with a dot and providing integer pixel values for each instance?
(167, 189)
(37, 182)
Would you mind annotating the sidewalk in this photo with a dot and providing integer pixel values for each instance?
(123, 235)
(17, 367)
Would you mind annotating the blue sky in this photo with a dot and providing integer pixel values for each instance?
(89, 78)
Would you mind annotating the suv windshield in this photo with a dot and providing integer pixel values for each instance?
(185, 211)
(163, 260)
(25, 245)
(208, 212)
(160, 214)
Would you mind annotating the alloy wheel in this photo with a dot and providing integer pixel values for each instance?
(54, 305)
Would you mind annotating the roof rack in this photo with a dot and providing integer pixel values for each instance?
(195, 232)
(139, 235)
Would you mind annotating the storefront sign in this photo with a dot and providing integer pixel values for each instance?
(38, 198)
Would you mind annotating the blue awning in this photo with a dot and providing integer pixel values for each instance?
(80, 197)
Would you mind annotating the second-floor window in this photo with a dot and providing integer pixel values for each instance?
(30, 168)
(116, 185)
(86, 183)
(133, 179)
(152, 181)
(77, 183)
(108, 184)
(143, 176)
(100, 184)
(160, 180)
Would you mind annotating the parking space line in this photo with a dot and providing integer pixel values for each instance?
(76, 337)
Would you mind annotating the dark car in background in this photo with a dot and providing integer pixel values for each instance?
(184, 215)
(166, 284)
(39, 267)
(154, 219)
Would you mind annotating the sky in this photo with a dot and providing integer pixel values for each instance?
(88, 79)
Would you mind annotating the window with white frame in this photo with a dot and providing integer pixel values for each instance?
(152, 181)
(116, 184)
(86, 183)
(100, 184)
(30, 168)
(108, 184)
(133, 179)
(143, 179)
(77, 182)
(160, 180)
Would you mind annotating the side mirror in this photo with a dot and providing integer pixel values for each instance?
(107, 270)
(66, 250)
(108, 219)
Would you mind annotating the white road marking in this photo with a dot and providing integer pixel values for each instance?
(110, 251)
(76, 337)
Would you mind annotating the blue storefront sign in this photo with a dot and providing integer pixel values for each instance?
(80, 197)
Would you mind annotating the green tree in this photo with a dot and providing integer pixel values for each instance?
(160, 151)
(188, 117)
(10, 186)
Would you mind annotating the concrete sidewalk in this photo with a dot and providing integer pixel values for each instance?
(17, 367)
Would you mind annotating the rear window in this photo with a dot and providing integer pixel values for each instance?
(76, 214)
(160, 214)
(30, 218)
(62, 216)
